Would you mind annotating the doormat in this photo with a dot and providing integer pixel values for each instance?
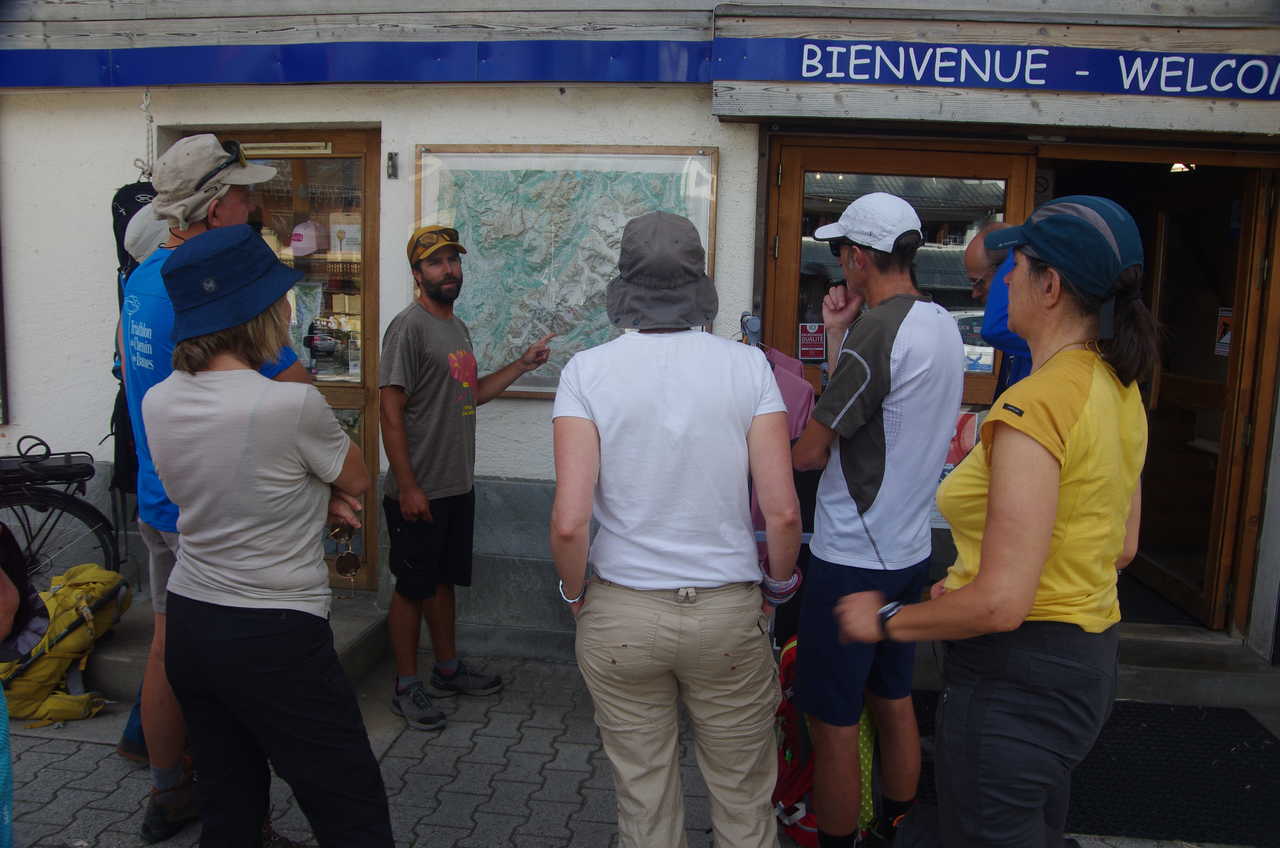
(1196, 774)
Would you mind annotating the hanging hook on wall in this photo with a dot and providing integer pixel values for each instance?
(144, 165)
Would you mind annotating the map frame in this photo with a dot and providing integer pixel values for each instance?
(692, 174)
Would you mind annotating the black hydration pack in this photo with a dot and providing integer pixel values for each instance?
(126, 203)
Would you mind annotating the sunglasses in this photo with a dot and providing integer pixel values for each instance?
(443, 236)
(837, 243)
(347, 563)
(235, 156)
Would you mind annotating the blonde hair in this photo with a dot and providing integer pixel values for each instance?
(256, 341)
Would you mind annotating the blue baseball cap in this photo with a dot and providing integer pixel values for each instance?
(1089, 239)
(221, 279)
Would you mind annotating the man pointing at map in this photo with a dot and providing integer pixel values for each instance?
(427, 403)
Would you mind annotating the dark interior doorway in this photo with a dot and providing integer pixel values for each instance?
(1190, 218)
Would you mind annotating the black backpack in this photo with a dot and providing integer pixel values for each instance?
(124, 205)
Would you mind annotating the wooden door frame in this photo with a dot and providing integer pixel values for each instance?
(1252, 369)
(345, 144)
(791, 156)
(1254, 366)
(1256, 402)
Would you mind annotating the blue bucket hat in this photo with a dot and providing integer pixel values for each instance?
(221, 279)
(1090, 240)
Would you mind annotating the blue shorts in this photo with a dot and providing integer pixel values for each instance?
(831, 677)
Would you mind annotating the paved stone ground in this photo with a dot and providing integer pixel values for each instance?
(523, 768)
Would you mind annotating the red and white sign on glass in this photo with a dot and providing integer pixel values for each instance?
(813, 342)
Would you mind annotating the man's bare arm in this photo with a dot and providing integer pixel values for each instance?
(414, 505)
(492, 385)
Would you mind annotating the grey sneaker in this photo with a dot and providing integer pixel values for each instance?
(466, 680)
(415, 705)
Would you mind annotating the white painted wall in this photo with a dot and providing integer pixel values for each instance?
(63, 153)
(1266, 584)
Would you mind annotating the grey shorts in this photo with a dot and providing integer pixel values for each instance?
(162, 553)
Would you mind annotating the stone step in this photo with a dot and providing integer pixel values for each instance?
(513, 610)
(1170, 665)
(117, 663)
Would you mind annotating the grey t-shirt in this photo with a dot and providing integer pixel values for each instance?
(431, 359)
(248, 461)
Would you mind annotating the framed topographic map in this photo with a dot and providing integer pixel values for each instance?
(542, 226)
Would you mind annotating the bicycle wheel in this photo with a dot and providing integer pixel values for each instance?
(57, 530)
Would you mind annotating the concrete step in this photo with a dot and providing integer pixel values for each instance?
(1166, 664)
(116, 665)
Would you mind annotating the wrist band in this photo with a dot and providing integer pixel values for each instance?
(778, 592)
(775, 585)
(569, 600)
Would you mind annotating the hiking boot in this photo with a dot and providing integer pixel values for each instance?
(415, 705)
(169, 811)
(466, 680)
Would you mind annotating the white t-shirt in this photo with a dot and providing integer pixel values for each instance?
(248, 461)
(672, 410)
(892, 401)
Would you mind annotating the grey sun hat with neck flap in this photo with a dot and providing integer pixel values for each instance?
(196, 171)
(662, 283)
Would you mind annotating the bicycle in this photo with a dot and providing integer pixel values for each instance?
(41, 505)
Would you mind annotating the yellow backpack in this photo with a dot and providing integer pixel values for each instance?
(84, 604)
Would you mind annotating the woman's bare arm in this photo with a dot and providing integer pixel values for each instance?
(1021, 507)
(577, 457)
(769, 455)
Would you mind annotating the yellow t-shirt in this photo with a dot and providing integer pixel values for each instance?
(1097, 431)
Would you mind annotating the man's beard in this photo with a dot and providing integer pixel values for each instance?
(437, 292)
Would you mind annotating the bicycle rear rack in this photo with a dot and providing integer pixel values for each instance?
(35, 464)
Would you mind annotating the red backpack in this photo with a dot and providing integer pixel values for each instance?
(792, 801)
(795, 759)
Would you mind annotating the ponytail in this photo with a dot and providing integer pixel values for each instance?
(1133, 350)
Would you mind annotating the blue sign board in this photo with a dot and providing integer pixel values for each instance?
(1030, 68)
(1221, 76)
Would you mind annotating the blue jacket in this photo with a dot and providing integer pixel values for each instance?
(996, 332)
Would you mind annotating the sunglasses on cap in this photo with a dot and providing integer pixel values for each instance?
(235, 156)
(444, 235)
(836, 243)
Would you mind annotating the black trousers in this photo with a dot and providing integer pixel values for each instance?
(265, 685)
(1019, 711)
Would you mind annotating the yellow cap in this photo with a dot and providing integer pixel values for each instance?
(427, 240)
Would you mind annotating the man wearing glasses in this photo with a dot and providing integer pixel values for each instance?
(428, 396)
(880, 432)
(985, 270)
(201, 184)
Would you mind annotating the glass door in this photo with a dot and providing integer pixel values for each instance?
(955, 194)
(1200, 248)
(320, 215)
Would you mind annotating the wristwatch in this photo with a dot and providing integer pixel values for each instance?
(885, 613)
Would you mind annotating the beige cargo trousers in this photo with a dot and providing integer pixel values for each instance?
(642, 652)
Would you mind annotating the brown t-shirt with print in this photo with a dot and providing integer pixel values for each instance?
(431, 359)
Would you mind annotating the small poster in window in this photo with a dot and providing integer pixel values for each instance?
(1222, 336)
(963, 440)
(344, 236)
(813, 342)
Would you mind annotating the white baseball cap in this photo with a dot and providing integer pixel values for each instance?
(305, 239)
(146, 232)
(874, 220)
